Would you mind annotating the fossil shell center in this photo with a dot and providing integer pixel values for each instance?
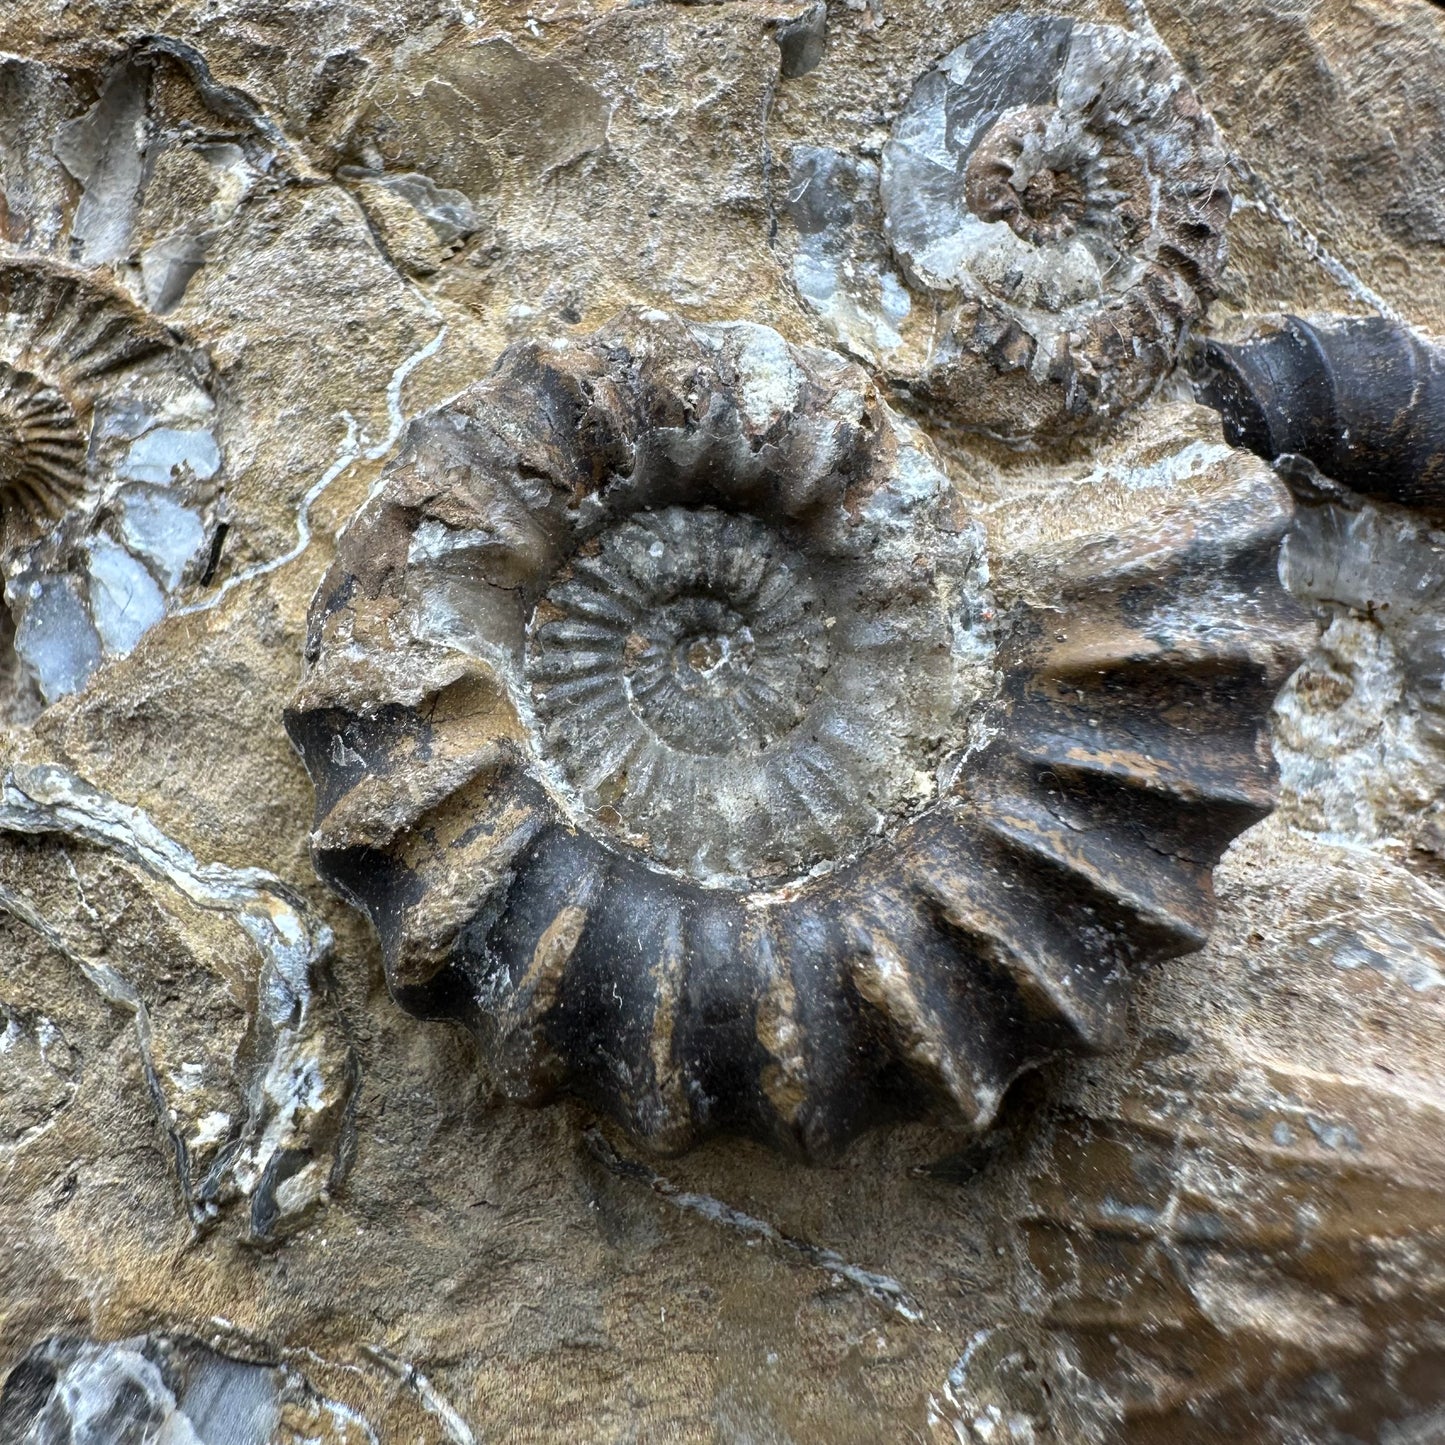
(736, 700)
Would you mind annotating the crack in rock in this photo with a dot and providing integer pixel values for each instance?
(886, 1290)
(295, 1143)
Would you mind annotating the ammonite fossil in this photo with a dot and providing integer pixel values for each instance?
(1055, 196)
(1062, 180)
(667, 723)
(63, 336)
(1361, 397)
(106, 446)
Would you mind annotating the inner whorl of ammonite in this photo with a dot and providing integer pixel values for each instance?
(700, 688)
(1047, 177)
(42, 444)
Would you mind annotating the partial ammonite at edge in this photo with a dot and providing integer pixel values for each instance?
(672, 725)
(109, 485)
(65, 337)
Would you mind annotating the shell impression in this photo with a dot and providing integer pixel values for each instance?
(664, 719)
(1056, 192)
(1360, 397)
(65, 336)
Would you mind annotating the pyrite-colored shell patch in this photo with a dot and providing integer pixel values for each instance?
(667, 722)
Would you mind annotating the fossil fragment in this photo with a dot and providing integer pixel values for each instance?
(664, 719)
(1360, 728)
(157, 186)
(244, 1055)
(1054, 196)
(802, 40)
(1362, 398)
(163, 1388)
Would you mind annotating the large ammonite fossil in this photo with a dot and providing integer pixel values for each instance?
(665, 720)
(1056, 197)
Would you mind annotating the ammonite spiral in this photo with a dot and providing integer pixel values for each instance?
(1062, 180)
(665, 720)
(65, 336)
(1361, 397)
(1055, 197)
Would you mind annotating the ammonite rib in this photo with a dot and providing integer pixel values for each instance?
(1360, 397)
(939, 855)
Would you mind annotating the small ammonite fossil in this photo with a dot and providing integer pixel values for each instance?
(1060, 181)
(1055, 197)
(65, 336)
(107, 455)
(1361, 397)
(666, 722)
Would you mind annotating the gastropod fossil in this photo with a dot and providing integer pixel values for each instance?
(667, 722)
(1362, 398)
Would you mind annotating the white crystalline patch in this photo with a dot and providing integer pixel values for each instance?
(155, 456)
(1163, 473)
(771, 380)
(124, 599)
(47, 1035)
(187, 1077)
(157, 527)
(113, 1384)
(854, 310)
(57, 639)
(434, 540)
(1039, 278)
(915, 481)
(212, 1129)
(896, 302)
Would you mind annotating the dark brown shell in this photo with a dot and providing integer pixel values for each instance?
(1360, 397)
(1109, 742)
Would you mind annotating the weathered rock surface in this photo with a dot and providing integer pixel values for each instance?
(244, 1197)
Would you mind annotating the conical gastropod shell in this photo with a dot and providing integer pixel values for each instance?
(1361, 397)
(665, 720)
